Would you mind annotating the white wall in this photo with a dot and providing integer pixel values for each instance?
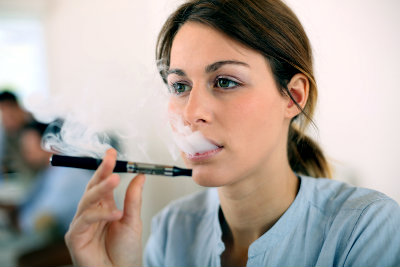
(22, 52)
(356, 54)
(356, 50)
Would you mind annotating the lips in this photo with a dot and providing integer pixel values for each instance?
(204, 155)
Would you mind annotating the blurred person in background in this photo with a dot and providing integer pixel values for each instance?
(33, 233)
(52, 202)
(13, 120)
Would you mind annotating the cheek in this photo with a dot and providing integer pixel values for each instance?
(256, 117)
(174, 108)
(174, 113)
(171, 107)
(259, 109)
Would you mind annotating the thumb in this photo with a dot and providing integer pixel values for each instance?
(133, 199)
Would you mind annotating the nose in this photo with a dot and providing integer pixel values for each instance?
(198, 109)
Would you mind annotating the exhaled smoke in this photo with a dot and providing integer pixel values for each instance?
(72, 138)
(126, 110)
(188, 141)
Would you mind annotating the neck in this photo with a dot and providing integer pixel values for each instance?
(255, 204)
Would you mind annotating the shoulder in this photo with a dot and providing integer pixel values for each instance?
(359, 223)
(347, 206)
(332, 196)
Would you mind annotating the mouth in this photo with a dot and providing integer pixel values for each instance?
(196, 145)
(198, 156)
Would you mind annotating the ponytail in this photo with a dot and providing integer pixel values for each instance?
(305, 156)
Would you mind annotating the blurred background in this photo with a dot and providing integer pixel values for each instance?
(55, 46)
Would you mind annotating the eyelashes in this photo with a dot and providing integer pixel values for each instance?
(226, 83)
(179, 88)
(220, 83)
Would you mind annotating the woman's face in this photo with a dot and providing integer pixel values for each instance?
(227, 92)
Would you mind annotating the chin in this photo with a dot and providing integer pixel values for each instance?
(208, 173)
(204, 176)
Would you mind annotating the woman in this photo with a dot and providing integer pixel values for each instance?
(240, 72)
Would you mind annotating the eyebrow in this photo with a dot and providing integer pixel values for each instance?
(210, 68)
(215, 66)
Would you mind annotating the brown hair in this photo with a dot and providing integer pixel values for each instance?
(270, 27)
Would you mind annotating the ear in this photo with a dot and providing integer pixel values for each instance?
(298, 87)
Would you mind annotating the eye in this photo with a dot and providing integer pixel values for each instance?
(179, 88)
(225, 83)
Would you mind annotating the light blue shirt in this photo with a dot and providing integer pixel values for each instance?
(56, 192)
(329, 224)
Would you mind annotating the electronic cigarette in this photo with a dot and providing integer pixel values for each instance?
(121, 166)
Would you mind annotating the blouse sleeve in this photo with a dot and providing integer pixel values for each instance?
(375, 239)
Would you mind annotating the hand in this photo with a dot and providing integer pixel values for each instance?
(100, 234)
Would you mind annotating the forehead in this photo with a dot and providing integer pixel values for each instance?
(199, 44)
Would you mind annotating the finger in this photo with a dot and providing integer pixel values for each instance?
(133, 199)
(92, 216)
(105, 169)
(101, 193)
